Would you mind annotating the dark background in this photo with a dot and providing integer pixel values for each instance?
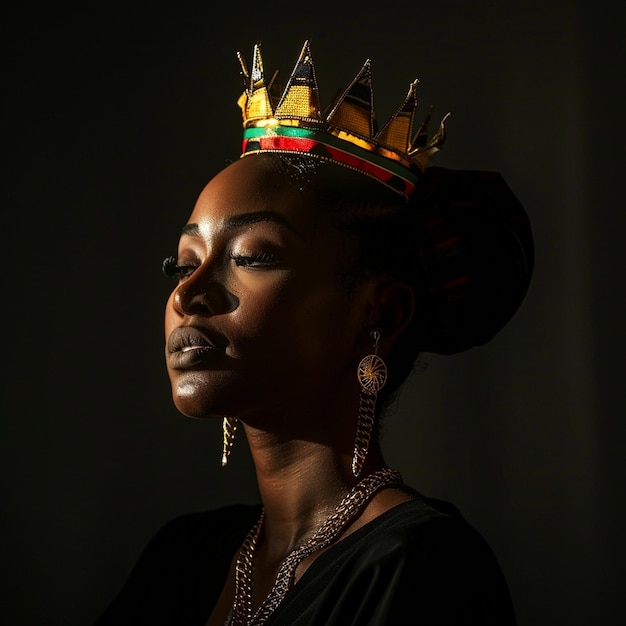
(114, 117)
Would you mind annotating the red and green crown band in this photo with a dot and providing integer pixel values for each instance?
(297, 139)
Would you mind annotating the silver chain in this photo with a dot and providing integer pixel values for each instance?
(349, 507)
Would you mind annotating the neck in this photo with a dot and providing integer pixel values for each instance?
(301, 483)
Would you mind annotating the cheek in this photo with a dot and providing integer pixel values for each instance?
(302, 326)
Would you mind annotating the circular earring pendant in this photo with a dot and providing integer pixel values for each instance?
(372, 373)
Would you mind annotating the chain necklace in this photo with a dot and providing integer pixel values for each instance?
(241, 613)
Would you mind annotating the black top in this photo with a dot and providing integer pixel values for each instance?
(418, 563)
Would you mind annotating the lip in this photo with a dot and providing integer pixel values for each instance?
(189, 347)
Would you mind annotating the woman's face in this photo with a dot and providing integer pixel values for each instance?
(259, 323)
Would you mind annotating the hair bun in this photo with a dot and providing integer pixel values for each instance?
(477, 254)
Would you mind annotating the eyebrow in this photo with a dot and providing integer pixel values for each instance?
(244, 219)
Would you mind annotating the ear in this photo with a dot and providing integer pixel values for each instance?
(392, 307)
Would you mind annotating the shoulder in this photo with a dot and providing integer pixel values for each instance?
(180, 571)
(429, 538)
(423, 530)
(421, 553)
(428, 522)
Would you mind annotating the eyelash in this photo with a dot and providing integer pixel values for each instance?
(171, 269)
(259, 260)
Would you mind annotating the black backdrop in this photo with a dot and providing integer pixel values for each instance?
(115, 117)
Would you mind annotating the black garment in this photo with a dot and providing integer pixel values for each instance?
(418, 563)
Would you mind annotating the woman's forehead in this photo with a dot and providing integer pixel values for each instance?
(257, 189)
(254, 184)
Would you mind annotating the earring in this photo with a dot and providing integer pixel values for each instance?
(372, 376)
(229, 426)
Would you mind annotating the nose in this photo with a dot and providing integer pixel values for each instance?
(203, 294)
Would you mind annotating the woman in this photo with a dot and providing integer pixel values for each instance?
(310, 275)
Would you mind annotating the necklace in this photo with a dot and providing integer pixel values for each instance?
(346, 511)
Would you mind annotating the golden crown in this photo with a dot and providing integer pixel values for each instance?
(293, 121)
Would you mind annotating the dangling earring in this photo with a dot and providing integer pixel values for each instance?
(372, 375)
(229, 426)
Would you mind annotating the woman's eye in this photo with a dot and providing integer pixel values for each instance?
(172, 269)
(257, 260)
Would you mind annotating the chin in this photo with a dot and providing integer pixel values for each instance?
(193, 397)
(195, 410)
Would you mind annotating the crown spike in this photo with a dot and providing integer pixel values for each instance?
(353, 112)
(255, 102)
(257, 76)
(421, 136)
(396, 133)
(300, 100)
(421, 154)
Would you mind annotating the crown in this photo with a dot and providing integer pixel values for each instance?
(292, 121)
